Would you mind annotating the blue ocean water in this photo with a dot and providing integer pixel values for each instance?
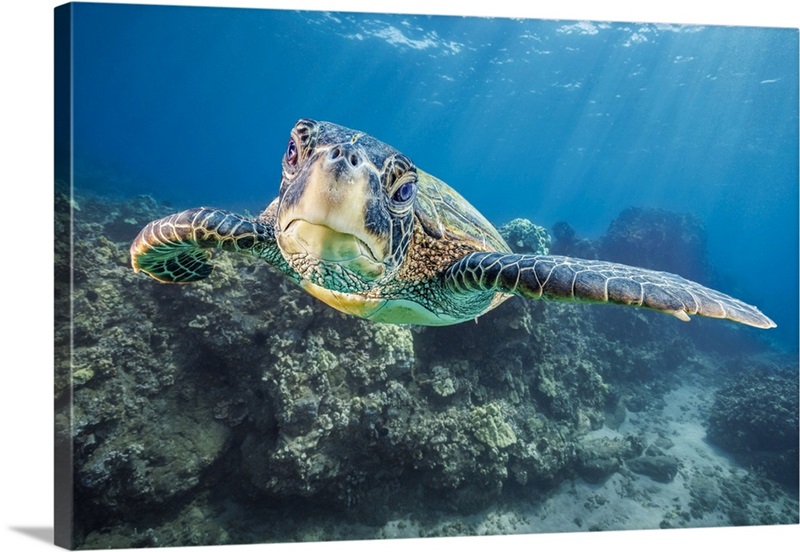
(548, 120)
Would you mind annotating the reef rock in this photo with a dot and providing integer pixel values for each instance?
(567, 242)
(659, 467)
(754, 416)
(658, 239)
(525, 237)
(600, 458)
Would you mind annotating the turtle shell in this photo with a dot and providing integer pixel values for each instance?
(444, 212)
(447, 228)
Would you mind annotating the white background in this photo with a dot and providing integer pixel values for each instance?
(26, 29)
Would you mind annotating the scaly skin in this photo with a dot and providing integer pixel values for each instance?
(569, 279)
(177, 248)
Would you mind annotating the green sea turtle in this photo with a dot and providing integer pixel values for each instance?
(359, 226)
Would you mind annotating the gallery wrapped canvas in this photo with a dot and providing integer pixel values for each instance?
(335, 276)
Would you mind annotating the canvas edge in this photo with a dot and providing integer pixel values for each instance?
(62, 153)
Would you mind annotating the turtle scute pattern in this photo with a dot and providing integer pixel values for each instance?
(566, 278)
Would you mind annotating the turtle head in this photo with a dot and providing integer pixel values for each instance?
(345, 210)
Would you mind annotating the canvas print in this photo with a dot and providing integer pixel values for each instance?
(334, 276)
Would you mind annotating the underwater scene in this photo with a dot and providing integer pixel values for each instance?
(236, 406)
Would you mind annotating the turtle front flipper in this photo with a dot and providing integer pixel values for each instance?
(176, 248)
(565, 278)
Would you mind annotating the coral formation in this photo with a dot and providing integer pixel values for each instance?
(651, 238)
(525, 237)
(214, 412)
(567, 242)
(755, 417)
(490, 428)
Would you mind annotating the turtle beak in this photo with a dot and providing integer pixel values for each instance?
(329, 246)
(326, 213)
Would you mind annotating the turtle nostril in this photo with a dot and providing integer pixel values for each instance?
(346, 154)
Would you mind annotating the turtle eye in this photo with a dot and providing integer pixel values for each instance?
(404, 192)
(291, 153)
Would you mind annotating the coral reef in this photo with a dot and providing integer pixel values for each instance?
(238, 408)
(651, 238)
(490, 428)
(567, 242)
(658, 239)
(755, 417)
(525, 237)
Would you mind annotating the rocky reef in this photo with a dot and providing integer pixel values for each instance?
(754, 416)
(526, 237)
(239, 409)
(650, 238)
(655, 238)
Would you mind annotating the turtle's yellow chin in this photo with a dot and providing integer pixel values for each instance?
(305, 244)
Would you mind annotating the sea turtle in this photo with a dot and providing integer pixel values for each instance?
(359, 226)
